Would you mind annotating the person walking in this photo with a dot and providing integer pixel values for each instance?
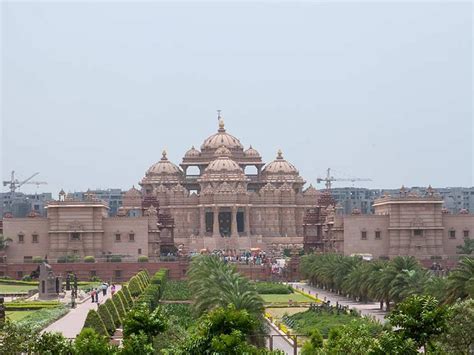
(93, 292)
(112, 289)
(104, 289)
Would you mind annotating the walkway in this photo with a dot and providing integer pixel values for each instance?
(279, 343)
(371, 309)
(71, 324)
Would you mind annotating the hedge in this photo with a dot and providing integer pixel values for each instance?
(89, 259)
(119, 306)
(38, 259)
(127, 295)
(113, 312)
(273, 288)
(143, 259)
(135, 286)
(159, 277)
(23, 306)
(94, 322)
(123, 300)
(106, 317)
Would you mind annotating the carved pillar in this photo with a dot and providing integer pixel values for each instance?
(215, 226)
(202, 222)
(233, 226)
(247, 221)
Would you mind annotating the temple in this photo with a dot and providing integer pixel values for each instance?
(211, 201)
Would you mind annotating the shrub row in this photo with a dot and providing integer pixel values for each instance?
(110, 315)
(273, 288)
(24, 306)
(152, 294)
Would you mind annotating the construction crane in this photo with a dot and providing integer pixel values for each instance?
(14, 183)
(329, 179)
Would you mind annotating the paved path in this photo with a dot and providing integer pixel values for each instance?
(279, 343)
(371, 309)
(71, 324)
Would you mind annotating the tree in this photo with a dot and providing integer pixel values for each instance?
(17, 339)
(52, 344)
(355, 338)
(91, 343)
(314, 343)
(459, 336)
(394, 344)
(139, 319)
(467, 247)
(420, 318)
(461, 280)
(137, 344)
(222, 331)
(4, 241)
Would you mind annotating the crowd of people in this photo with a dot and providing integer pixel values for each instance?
(95, 292)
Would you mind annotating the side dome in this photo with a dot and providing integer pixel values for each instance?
(221, 138)
(280, 166)
(251, 153)
(163, 172)
(192, 153)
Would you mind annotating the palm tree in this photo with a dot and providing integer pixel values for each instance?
(216, 284)
(461, 281)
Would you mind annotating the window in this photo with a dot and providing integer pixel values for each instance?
(418, 232)
(21, 238)
(131, 237)
(452, 234)
(27, 259)
(75, 236)
(139, 251)
(118, 237)
(34, 238)
(363, 235)
(19, 274)
(75, 251)
(378, 235)
(466, 233)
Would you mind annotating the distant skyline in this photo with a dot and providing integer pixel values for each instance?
(91, 93)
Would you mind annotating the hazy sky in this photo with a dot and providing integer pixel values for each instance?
(93, 92)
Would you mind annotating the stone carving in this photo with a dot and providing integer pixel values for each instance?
(49, 284)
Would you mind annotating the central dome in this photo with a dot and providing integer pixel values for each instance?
(164, 167)
(221, 138)
(223, 164)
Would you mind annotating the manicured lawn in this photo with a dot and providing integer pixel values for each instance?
(18, 315)
(16, 288)
(295, 297)
(277, 313)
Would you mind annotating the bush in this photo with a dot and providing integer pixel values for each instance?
(123, 300)
(38, 259)
(113, 312)
(89, 259)
(115, 259)
(26, 278)
(53, 343)
(127, 295)
(137, 344)
(91, 343)
(106, 317)
(94, 322)
(141, 319)
(273, 288)
(151, 296)
(143, 259)
(176, 290)
(95, 279)
(135, 286)
(68, 259)
(119, 306)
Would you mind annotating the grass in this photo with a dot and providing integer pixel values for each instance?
(16, 288)
(277, 313)
(40, 319)
(18, 315)
(295, 297)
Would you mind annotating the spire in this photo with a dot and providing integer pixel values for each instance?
(279, 154)
(163, 157)
(221, 121)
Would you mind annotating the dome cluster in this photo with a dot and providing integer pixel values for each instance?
(222, 158)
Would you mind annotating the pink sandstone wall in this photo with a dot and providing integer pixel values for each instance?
(27, 226)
